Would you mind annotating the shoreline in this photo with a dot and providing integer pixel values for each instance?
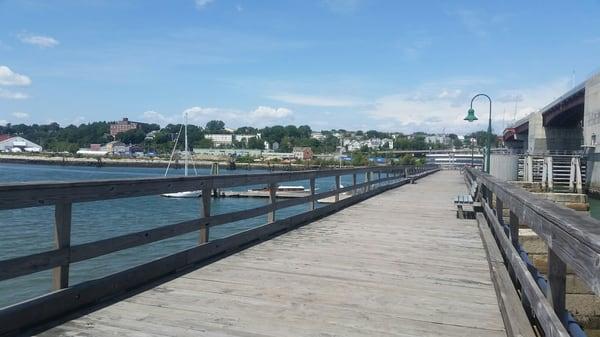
(149, 163)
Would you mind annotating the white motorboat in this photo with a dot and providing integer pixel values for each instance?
(184, 194)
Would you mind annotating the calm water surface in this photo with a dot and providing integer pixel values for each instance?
(30, 230)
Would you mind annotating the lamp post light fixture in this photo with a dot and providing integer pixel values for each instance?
(488, 144)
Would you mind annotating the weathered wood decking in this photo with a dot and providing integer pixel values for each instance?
(397, 264)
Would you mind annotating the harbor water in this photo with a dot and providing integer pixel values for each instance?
(30, 230)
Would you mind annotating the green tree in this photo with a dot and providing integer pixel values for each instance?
(204, 143)
(135, 136)
(215, 126)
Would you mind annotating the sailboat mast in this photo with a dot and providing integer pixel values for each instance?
(186, 147)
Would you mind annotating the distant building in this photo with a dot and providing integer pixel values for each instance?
(220, 139)
(437, 139)
(228, 152)
(302, 153)
(122, 126)
(279, 155)
(245, 138)
(17, 144)
(317, 135)
(115, 148)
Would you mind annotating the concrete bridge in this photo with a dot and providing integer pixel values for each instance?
(387, 258)
(568, 125)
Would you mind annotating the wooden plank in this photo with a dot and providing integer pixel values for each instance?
(33, 263)
(543, 310)
(515, 319)
(62, 240)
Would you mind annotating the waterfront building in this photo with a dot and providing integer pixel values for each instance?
(17, 144)
(228, 152)
(302, 153)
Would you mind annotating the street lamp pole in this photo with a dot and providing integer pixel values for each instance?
(488, 144)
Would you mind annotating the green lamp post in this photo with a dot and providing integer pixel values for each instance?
(488, 144)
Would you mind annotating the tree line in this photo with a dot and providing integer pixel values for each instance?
(153, 138)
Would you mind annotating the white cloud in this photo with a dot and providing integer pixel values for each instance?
(9, 77)
(152, 116)
(265, 112)
(7, 94)
(77, 120)
(20, 115)
(319, 101)
(3, 122)
(38, 40)
(200, 4)
(436, 107)
(262, 115)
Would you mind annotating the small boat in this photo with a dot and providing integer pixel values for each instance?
(282, 188)
(184, 194)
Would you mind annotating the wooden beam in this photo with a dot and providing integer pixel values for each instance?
(556, 292)
(515, 319)
(62, 240)
(272, 201)
(206, 203)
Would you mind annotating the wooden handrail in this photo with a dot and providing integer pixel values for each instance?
(573, 240)
(63, 195)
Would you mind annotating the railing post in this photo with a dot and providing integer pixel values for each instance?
(337, 188)
(206, 200)
(572, 176)
(62, 240)
(379, 179)
(514, 230)
(557, 271)
(578, 178)
(499, 210)
(354, 184)
(312, 193)
(529, 168)
(550, 174)
(272, 200)
(368, 181)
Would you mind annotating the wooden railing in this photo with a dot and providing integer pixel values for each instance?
(573, 240)
(67, 298)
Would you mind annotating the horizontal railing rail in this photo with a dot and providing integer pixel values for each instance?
(66, 297)
(573, 240)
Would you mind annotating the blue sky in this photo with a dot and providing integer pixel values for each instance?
(354, 64)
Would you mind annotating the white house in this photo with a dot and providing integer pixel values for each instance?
(246, 138)
(220, 139)
(18, 144)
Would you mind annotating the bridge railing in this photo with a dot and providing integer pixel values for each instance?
(573, 240)
(66, 298)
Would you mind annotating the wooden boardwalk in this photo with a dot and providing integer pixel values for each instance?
(397, 264)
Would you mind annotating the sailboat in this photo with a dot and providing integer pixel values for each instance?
(184, 194)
